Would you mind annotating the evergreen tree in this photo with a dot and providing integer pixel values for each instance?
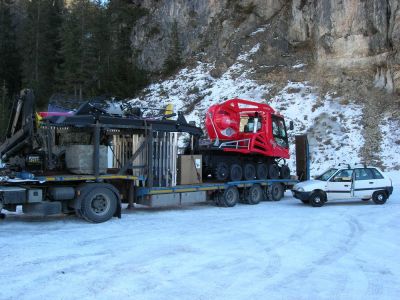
(84, 40)
(40, 46)
(10, 73)
(174, 58)
(123, 76)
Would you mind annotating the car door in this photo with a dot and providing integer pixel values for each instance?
(340, 185)
(364, 183)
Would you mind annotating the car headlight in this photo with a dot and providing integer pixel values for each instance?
(300, 189)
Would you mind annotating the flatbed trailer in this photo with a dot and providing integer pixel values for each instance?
(143, 172)
(97, 198)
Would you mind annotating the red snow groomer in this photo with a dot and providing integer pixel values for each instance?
(248, 140)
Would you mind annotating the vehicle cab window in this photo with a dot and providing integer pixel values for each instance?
(343, 176)
(376, 173)
(279, 131)
(363, 174)
(247, 124)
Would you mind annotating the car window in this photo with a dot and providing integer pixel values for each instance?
(363, 174)
(343, 176)
(376, 173)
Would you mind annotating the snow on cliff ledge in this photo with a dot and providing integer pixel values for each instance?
(333, 129)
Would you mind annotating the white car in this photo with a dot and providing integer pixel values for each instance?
(363, 183)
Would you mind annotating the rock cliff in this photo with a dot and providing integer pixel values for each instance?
(338, 34)
(344, 52)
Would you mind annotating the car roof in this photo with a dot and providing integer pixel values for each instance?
(357, 166)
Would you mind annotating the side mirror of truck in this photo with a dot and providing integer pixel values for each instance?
(291, 125)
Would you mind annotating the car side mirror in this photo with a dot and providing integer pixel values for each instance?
(291, 125)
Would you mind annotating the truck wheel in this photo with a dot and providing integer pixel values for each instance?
(275, 191)
(262, 171)
(285, 172)
(99, 205)
(221, 171)
(249, 171)
(254, 195)
(379, 197)
(317, 199)
(229, 197)
(273, 171)
(236, 172)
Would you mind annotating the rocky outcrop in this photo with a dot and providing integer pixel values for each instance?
(338, 34)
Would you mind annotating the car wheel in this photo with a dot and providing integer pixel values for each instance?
(379, 197)
(317, 199)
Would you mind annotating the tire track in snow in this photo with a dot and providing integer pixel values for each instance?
(331, 256)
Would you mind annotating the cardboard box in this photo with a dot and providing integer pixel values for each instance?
(189, 169)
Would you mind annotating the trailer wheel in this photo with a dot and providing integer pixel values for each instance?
(262, 171)
(275, 191)
(254, 194)
(285, 172)
(379, 197)
(229, 197)
(221, 171)
(99, 205)
(249, 171)
(236, 172)
(273, 171)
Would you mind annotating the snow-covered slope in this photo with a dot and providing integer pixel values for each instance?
(332, 124)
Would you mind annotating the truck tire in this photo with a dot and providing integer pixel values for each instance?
(229, 197)
(249, 171)
(285, 172)
(273, 171)
(275, 191)
(379, 197)
(254, 194)
(99, 204)
(221, 171)
(262, 171)
(236, 172)
(317, 199)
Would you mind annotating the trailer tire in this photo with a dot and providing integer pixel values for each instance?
(99, 204)
(229, 197)
(285, 172)
(275, 191)
(379, 197)
(254, 194)
(221, 171)
(262, 171)
(236, 172)
(273, 171)
(249, 171)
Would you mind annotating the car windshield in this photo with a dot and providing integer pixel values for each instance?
(326, 175)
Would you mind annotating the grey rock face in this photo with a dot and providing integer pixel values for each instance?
(349, 34)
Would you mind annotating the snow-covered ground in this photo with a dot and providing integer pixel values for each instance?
(275, 250)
